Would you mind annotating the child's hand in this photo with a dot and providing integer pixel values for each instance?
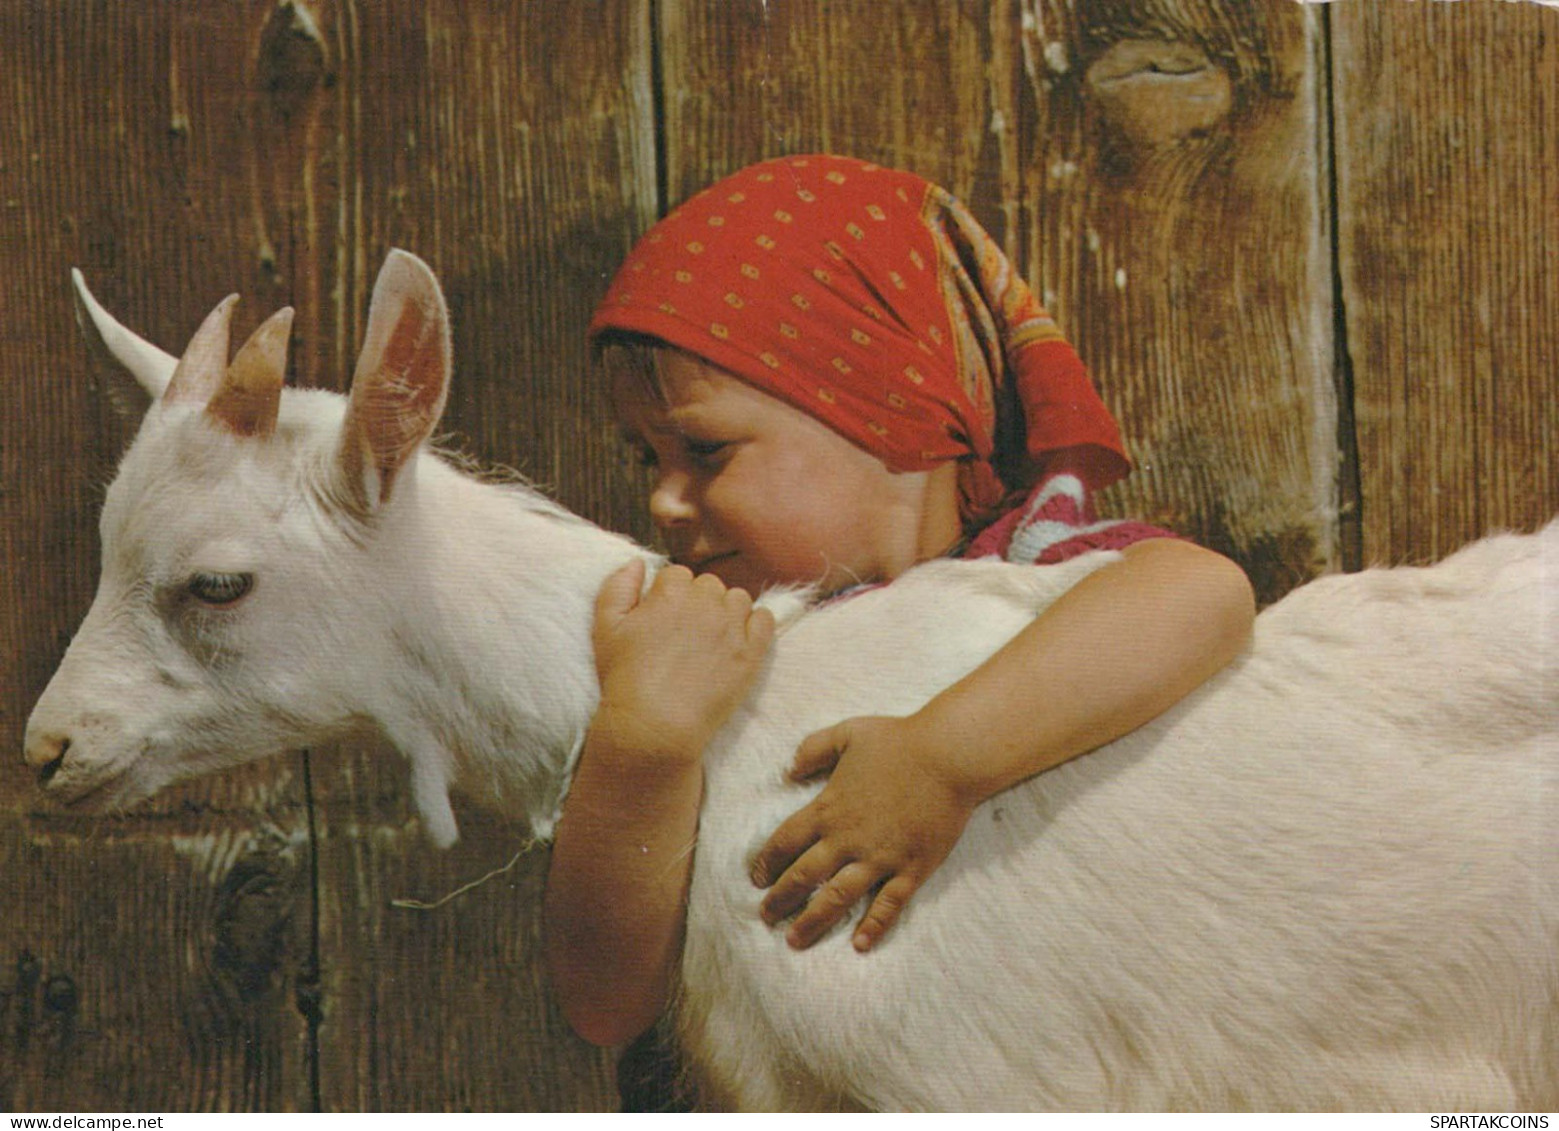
(886, 820)
(675, 663)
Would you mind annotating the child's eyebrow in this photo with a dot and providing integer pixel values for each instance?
(643, 437)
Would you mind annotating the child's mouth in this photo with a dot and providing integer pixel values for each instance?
(702, 565)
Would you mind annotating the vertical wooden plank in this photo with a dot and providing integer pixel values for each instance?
(906, 84)
(1175, 222)
(1447, 120)
(452, 130)
(149, 961)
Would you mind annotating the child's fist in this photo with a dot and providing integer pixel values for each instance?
(676, 661)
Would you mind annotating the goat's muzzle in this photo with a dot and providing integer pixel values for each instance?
(45, 751)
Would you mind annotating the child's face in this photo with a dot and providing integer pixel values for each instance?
(758, 493)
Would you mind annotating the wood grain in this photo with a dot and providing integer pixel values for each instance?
(1448, 228)
(154, 962)
(906, 84)
(444, 1008)
(1174, 220)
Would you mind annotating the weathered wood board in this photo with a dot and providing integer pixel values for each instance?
(1448, 234)
(1174, 218)
(1308, 253)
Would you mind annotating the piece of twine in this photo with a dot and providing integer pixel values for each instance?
(421, 905)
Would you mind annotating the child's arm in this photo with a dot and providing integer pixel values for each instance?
(1116, 650)
(672, 667)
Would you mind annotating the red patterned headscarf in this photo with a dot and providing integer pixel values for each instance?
(872, 300)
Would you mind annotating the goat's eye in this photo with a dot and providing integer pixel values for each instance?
(220, 588)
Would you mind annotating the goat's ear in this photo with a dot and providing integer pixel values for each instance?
(116, 350)
(401, 382)
(248, 400)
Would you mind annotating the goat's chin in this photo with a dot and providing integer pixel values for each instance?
(103, 788)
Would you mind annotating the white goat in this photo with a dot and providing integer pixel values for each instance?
(1330, 879)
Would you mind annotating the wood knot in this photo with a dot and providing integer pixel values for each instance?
(59, 995)
(253, 920)
(1154, 92)
(293, 59)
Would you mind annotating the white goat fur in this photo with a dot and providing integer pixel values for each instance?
(1329, 879)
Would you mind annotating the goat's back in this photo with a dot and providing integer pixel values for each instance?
(1326, 879)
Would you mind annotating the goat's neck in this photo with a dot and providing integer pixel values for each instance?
(491, 643)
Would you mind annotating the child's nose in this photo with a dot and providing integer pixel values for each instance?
(671, 502)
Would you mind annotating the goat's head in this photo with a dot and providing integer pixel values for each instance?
(237, 583)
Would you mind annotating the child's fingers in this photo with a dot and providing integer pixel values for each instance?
(820, 751)
(760, 629)
(780, 855)
(619, 594)
(884, 911)
(795, 878)
(831, 903)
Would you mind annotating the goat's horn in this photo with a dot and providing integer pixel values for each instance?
(150, 366)
(250, 397)
(201, 370)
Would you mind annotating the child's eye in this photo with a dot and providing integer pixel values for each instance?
(704, 451)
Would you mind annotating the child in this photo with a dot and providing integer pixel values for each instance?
(837, 375)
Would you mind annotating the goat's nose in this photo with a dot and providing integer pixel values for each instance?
(46, 749)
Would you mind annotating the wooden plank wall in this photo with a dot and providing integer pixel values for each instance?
(1309, 253)
(1448, 235)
